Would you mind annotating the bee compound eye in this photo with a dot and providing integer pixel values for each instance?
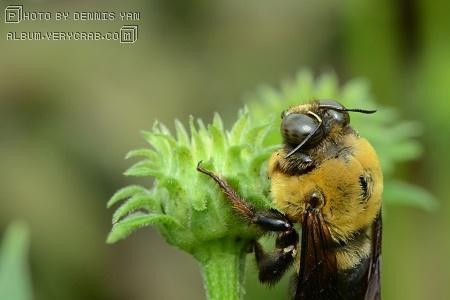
(296, 127)
(335, 114)
(339, 117)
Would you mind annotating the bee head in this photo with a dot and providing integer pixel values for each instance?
(305, 126)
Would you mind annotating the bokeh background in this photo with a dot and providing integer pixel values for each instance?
(70, 110)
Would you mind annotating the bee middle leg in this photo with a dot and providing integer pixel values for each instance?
(271, 265)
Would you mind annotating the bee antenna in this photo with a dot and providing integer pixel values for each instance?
(359, 110)
(309, 135)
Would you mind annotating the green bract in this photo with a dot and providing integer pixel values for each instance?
(190, 211)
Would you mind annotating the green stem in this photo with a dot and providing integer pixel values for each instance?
(222, 264)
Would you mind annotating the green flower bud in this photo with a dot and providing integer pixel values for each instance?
(185, 205)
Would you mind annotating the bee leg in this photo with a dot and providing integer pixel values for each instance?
(267, 220)
(287, 238)
(272, 220)
(243, 208)
(272, 266)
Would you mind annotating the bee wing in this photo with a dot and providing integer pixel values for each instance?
(373, 274)
(318, 268)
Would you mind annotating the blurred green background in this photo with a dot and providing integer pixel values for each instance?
(70, 110)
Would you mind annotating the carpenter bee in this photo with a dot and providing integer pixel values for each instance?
(327, 178)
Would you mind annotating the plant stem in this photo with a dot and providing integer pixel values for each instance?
(222, 264)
